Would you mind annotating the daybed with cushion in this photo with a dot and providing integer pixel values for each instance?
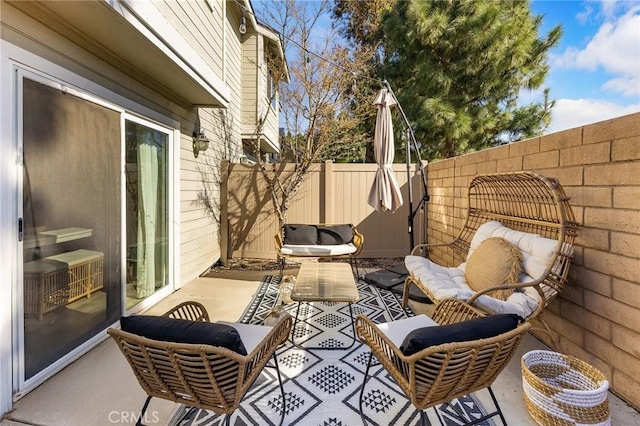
(514, 250)
(182, 357)
(318, 240)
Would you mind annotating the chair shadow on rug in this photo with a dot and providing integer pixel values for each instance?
(435, 374)
(214, 371)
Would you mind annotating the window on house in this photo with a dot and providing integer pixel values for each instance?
(271, 90)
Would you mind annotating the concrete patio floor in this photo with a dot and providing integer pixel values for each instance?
(99, 388)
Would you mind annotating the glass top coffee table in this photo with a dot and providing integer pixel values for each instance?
(325, 282)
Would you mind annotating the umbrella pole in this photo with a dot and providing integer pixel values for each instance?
(410, 139)
(411, 214)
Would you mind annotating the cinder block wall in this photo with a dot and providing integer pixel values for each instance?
(598, 313)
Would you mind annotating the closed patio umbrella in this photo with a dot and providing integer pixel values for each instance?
(385, 191)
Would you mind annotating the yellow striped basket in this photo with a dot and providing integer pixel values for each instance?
(563, 390)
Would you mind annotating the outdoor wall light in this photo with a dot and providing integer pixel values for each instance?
(200, 142)
(243, 25)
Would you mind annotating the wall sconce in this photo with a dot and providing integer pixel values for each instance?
(200, 142)
(243, 25)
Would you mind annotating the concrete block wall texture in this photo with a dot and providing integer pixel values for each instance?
(598, 314)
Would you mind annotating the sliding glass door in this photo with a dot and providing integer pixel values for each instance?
(146, 171)
(94, 219)
(71, 207)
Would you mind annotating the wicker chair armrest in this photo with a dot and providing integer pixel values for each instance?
(189, 310)
(425, 247)
(277, 242)
(358, 241)
(535, 284)
(258, 358)
(450, 311)
(388, 354)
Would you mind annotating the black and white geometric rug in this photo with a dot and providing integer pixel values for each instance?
(322, 387)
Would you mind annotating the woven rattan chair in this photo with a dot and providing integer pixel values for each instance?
(202, 376)
(439, 374)
(521, 201)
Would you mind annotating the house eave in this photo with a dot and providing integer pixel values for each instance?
(266, 144)
(135, 37)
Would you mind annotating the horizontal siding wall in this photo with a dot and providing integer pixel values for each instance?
(202, 177)
(199, 234)
(250, 83)
(598, 313)
(200, 25)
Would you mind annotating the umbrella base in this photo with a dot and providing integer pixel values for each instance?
(392, 279)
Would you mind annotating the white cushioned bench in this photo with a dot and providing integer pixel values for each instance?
(318, 240)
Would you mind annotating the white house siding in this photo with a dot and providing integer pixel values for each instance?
(200, 195)
(109, 78)
(234, 80)
(200, 25)
(250, 87)
(271, 129)
(256, 101)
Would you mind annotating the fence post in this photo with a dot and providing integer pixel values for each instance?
(224, 212)
(328, 216)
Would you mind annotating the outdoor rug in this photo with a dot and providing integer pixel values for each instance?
(322, 387)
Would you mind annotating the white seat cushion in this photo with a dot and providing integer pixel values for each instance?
(537, 253)
(442, 282)
(318, 250)
(536, 250)
(396, 331)
(251, 334)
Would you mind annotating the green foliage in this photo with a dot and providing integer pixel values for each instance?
(458, 68)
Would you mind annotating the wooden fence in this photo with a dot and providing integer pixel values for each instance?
(331, 193)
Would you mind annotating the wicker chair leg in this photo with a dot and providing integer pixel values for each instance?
(281, 267)
(366, 376)
(554, 338)
(284, 398)
(461, 416)
(424, 419)
(354, 263)
(143, 411)
(405, 292)
(498, 409)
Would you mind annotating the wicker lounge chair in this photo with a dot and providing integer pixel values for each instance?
(202, 376)
(527, 209)
(439, 374)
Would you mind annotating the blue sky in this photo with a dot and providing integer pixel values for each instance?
(595, 69)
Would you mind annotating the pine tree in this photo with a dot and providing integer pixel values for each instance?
(458, 68)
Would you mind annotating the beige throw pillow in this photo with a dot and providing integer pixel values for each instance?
(495, 262)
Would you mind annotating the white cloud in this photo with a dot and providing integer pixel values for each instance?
(615, 48)
(584, 16)
(570, 113)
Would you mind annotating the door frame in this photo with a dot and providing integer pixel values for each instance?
(16, 63)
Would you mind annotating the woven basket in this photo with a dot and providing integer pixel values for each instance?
(563, 390)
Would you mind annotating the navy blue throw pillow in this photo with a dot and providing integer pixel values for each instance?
(184, 331)
(300, 235)
(474, 329)
(335, 234)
